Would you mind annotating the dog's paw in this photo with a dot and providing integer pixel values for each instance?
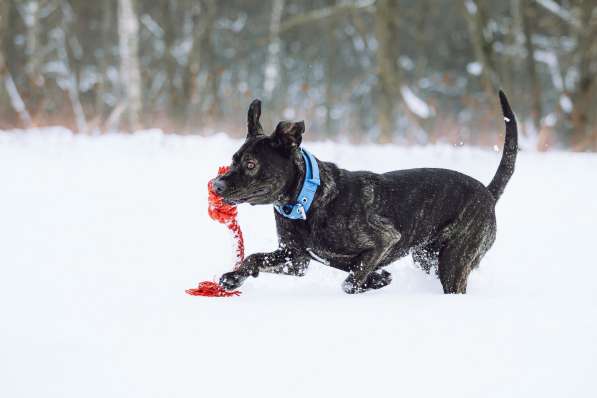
(377, 280)
(350, 286)
(232, 280)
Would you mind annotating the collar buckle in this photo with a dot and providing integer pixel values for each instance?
(301, 210)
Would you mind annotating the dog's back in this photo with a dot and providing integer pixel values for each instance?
(423, 201)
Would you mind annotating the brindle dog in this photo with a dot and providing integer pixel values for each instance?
(361, 221)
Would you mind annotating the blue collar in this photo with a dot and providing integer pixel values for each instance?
(305, 197)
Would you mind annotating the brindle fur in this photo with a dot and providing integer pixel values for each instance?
(362, 221)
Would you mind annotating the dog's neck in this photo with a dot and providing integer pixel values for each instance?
(295, 183)
(326, 192)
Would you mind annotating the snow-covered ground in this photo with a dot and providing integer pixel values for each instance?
(102, 235)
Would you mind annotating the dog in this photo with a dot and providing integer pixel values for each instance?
(359, 221)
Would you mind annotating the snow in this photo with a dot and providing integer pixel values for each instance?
(566, 103)
(471, 7)
(550, 119)
(551, 60)
(152, 26)
(102, 234)
(560, 12)
(474, 68)
(415, 104)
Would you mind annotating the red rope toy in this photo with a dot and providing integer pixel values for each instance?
(226, 214)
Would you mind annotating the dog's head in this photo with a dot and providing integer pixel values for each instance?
(264, 169)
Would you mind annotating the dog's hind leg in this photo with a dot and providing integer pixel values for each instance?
(464, 250)
(455, 266)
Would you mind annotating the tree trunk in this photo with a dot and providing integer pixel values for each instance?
(330, 77)
(7, 85)
(104, 58)
(583, 97)
(210, 91)
(32, 50)
(173, 94)
(203, 16)
(272, 64)
(72, 64)
(6, 79)
(130, 73)
(4, 21)
(386, 33)
(476, 17)
(527, 16)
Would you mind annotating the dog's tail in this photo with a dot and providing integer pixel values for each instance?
(506, 167)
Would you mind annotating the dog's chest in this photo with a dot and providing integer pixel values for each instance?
(334, 239)
(330, 244)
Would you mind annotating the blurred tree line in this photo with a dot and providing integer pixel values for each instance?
(405, 71)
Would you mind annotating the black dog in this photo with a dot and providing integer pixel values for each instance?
(360, 221)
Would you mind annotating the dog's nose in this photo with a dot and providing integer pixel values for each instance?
(219, 185)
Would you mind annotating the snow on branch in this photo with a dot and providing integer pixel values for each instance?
(416, 104)
(17, 101)
(559, 12)
(551, 60)
(326, 12)
(471, 7)
(152, 26)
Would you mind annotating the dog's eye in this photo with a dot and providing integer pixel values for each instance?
(250, 165)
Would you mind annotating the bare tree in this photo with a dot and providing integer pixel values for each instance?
(69, 78)
(32, 50)
(386, 14)
(272, 63)
(585, 90)
(130, 74)
(4, 31)
(6, 79)
(107, 14)
(203, 18)
(476, 14)
(337, 10)
(330, 73)
(527, 14)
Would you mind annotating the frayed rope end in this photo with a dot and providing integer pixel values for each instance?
(211, 289)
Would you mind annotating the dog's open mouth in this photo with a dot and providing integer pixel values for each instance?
(236, 198)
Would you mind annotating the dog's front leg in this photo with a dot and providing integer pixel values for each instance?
(364, 276)
(282, 261)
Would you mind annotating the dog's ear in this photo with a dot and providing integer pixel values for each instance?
(289, 134)
(253, 126)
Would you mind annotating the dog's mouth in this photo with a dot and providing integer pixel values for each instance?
(236, 198)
